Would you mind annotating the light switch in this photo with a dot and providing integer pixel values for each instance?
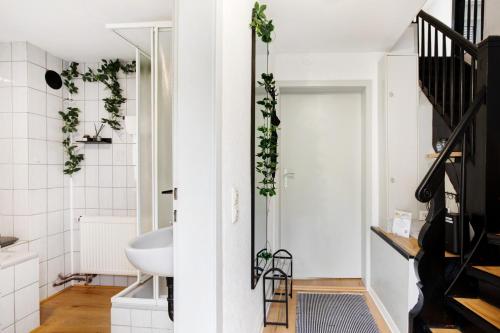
(235, 205)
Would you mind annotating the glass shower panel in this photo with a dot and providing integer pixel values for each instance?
(145, 144)
(164, 129)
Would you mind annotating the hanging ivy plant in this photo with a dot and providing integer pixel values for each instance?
(70, 122)
(262, 26)
(69, 74)
(268, 132)
(107, 74)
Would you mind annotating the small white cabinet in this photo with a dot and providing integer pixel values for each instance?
(399, 133)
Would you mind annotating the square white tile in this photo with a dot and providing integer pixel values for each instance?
(5, 51)
(5, 74)
(55, 152)
(119, 176)
(19, 51)
(20, 125)
(140, 318)
(36, 55)
(119, 198)
(5, 125)
(55, 199)
(39, 247)
(6, 198)
(7, 278)
(105, 198)
(54, 105)
(105, 176)
(92, 197)
(55, 176)
(19, 74)
(27, 301)
(37, 151)
(5, 100)
(6, 177)
(36, 77)
(55, 222)
(120, 316)
(20, 99)
(7, 313)
(37, 176)
(6, 151)
(20, 154)
(106, 154)
(28, 323)
(21, 202)
(38, 201)
(38, 226)
(119, 154)
(21, 177)
(55, 246)
(26, 273)
(37, 102)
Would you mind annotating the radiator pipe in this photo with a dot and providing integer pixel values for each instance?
(170, 297)
(62, 279)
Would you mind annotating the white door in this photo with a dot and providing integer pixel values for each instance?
(322, 182)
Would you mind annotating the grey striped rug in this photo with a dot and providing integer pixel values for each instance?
(334, 313)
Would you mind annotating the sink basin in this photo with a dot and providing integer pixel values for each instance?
(152, 253)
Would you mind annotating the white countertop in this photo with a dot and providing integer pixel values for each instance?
(10, 258)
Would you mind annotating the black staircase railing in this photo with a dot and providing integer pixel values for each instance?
(447, 68)
(448, 75)
(468, 19)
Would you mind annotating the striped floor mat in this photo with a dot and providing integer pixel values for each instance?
(334, 313)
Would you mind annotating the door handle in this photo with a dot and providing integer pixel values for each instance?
(287, 174)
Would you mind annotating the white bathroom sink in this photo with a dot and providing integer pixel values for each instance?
(152, 253)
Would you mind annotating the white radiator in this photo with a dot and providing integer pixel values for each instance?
(103, 240)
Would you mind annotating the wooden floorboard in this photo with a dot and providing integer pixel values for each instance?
(78, 309)
(350, 286)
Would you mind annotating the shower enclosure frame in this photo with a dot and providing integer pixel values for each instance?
(155, 28)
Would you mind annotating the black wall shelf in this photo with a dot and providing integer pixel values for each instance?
(92, 141)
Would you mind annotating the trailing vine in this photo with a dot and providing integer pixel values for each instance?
(71, 121)
(268, 154)
(107, 74)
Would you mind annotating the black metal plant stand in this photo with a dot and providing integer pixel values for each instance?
(281, 273)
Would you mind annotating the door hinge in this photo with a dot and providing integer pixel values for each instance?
(175, 215)
(175, 193)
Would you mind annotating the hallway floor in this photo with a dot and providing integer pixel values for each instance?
(78, 309)
(349, 286)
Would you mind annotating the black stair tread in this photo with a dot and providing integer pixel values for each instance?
(478, 311)
(494, 239)
(490, 274)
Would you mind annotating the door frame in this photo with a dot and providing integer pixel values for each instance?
(369, 178)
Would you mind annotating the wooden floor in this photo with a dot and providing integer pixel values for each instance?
(349, 286)
(79, 309)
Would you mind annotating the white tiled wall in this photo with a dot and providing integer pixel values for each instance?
(128, 320)
(32, 181)
(19, 297)
(34, 193)
(106, 183)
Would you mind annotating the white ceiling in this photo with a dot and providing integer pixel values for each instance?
(75, 29)
(339, 25)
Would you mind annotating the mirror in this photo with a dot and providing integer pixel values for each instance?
(259, 202)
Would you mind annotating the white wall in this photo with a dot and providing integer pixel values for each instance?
(197, 255)
(491, 21)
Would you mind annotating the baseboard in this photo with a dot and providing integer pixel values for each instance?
(385, 314)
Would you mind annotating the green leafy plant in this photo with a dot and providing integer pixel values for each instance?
(268, 144)
(69, 74)
(266, 255)
(263, 27)
(268, 132)
(70, 122)
(107, 74)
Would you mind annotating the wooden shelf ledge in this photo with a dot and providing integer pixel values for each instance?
(407, 247)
